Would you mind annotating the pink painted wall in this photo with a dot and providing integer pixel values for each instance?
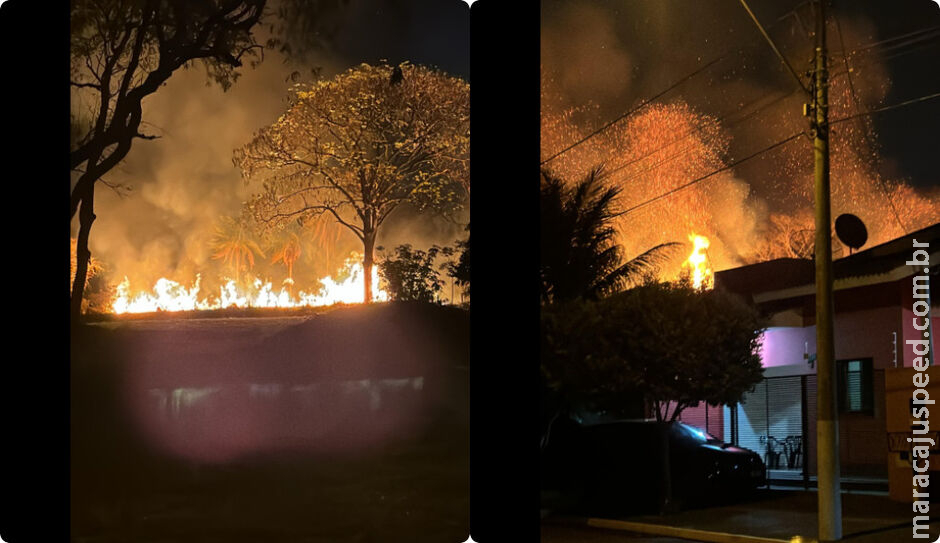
(785, 346)
(858, 334)
(712, 423)
(907, 323)
(867, 334)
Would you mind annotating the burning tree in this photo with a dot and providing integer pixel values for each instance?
(360, 145)
(286, 248)
(234, 244)
(122, 52)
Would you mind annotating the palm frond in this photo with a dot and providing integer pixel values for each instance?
(579, 254)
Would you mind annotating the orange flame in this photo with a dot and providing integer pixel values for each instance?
(168, 295)
(698, 264)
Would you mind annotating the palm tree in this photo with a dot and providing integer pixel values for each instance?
(233, 243)
(286, 247)
(579, 258)
(324, 236)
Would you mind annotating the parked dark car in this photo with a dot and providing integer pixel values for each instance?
(710, 466)
(624, 466)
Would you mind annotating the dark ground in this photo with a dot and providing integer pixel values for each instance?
(773, 514)
(410, 487)
(558, 532)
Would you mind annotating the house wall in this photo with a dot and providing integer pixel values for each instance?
(863, 438)
(860, 332)
(785, 346)
(710, 419)
(906, 324)
(865, 333)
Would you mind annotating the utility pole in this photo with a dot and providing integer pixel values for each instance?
(827, 418)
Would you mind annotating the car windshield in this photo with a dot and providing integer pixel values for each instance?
(697, 433)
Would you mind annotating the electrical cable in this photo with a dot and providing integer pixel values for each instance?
(769, 148)
(864, 127)
(654, 98)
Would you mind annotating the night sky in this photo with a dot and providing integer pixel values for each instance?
(183, 182)
(908, 135)
(616, 54)
(430, 32)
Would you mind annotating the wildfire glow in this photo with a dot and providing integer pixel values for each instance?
(698, 264)
(749, 216)
(168, 295)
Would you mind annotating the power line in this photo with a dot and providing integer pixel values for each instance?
(920, 43)
(916, 35)
(630, 112)
(773, 46)
(607, 125)
(920, 47)
(865, 133)
(769, 148)
(836, 121)
(917, 49)
(888, 108)
(707, 176)
(691, 131)
(926, 37)
(685, 149)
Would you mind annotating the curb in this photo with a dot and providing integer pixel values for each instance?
(686, 533)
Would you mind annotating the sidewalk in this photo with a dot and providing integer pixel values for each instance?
(777, 515)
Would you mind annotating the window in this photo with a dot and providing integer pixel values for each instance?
(856, 389)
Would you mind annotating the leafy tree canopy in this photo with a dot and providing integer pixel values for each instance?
(360, 143)
(358, 146)
(675, 345)
(460, 270)
(411, 274)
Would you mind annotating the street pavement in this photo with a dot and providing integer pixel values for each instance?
(573, 532)
(772, 514)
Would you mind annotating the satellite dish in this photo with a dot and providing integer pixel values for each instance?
(851, 230)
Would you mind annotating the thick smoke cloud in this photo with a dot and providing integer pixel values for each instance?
(600, 59)
(183, 182)
(596, 66)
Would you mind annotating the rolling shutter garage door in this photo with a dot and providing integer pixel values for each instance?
(771, 410)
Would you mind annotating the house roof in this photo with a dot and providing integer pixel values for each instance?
(788, 274)
(766, 276)
(883, 258)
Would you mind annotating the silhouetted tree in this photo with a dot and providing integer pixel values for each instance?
(356, 147)
(578, 256)
(122, 52)
(672, 344)
(460, 270)
(411, 274)
(396, 76)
